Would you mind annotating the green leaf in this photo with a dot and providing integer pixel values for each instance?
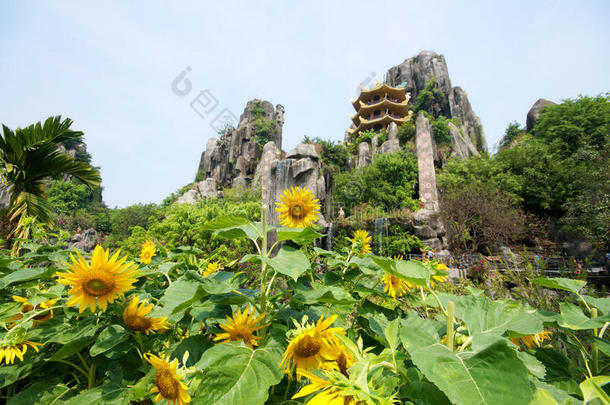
(290, 262)
(602, 344)
(108, 338)
(234, 374)
(559, 283)
(72, 347)
(573, 318)
(178, 296)
(494, 375)
(242, 231)
(602, 304)
(42, 392)
(321, 293)
(592, 388)
(25, 275)
(225, 223)
(412, 270)
(107, 394)
(298, 234)
(487, 319)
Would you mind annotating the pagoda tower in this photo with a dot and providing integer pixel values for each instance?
(379, 106)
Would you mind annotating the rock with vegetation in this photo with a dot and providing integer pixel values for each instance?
(232, 159)
(426, 77)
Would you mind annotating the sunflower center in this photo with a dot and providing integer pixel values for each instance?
(307, 347)
(167, 384)
(137, 323)
(296, 211)
(342, 363)
(97, 287)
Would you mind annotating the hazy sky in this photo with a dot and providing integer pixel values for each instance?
(109, 66)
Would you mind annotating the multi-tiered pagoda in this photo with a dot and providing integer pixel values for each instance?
(379, 106)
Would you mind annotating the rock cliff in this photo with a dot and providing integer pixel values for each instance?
(414, 73)
(232, 159)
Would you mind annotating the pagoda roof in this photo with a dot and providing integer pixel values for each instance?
(379, 89)
(384, 120)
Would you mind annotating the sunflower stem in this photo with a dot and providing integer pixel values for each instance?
(264, 254)
(450, 319)
(287, 390)
(594, 349)
(80, 369)
(91, 380)
(438, 302)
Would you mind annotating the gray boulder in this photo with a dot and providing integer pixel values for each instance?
(461, 146)
(534, 113)
(303, 150)
(364, 154)
(85, 240)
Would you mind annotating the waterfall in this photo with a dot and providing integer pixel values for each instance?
(381, 235)
(281, 175)
(330, 232)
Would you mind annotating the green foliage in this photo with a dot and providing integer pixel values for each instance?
(406, 132)
(440, 128)
(200, 176)
(68, 196)
(28, 158)
(388, 183)
(368, 135)
(263, 127)
(428, 98)
(334, 154)
(513, 132)
(401, 242)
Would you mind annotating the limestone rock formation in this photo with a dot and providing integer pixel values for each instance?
(364, 154)
(392, 144)
(232, 160)
(534, 113)
(461, 146)
(415, 72)
(85, 240)
(203, 189)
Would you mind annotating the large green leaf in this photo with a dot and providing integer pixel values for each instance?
(573, 318)
(108, 338)
(298, 234)
(25, 275)
(559, 283)
(487, 319)
(234, 374)
(42, 392)
(178, 296)
(321, 293)
(290, 262)
(494, 375)
(225, 223)
(107, 394)
(603, 304)
(593, 388)
(412, 270)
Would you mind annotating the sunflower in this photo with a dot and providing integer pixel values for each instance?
(10, 351)
(27, 307)
(361, 242)
(338, 357)
(298, 208)
(211, 268)
(135, 318)
(311, 344)
(99, 283)
(148, 251)
(168, 383)
(532, 340)
(241, 327)
(333, 391)
(439, 278)
(394, 286)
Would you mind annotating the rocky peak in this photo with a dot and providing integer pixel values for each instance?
(534, 113)
(414, 73)
(232, 159)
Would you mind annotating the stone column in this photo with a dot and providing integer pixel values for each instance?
(425, 162)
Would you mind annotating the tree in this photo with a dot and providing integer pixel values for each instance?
(29, 157)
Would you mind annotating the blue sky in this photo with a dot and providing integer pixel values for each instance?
(109, 66)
